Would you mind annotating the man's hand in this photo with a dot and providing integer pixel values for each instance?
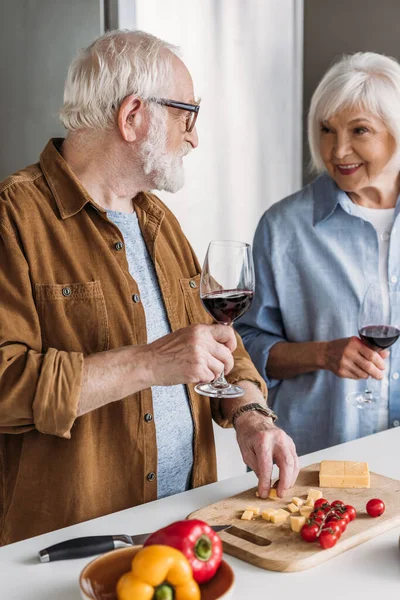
(350, 358)
(262, 444)
(191, 355)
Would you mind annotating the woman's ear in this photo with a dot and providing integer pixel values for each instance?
(130, 117)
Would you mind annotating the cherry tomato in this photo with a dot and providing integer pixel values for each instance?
(346, 517)
(337, 503)
(341, 522)
(321, 503)
(327, 539)
(317, 518)
(309, 532)
(351, 511)
(333, 527)
(375, 507)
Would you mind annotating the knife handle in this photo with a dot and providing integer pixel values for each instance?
(83, 547)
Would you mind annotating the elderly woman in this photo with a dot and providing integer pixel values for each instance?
(315, 254)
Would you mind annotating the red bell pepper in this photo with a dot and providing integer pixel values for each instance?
(197, 541)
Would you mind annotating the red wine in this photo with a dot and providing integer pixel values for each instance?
(379, 337)
(227, 305)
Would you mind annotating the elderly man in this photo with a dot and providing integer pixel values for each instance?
(102, 332)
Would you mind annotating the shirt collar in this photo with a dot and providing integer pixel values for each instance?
(68, 192)
(327, 195)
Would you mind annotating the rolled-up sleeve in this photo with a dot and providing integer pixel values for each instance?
(262, 327)
(37, 390)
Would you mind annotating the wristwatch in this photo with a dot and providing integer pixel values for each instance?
(254, 406)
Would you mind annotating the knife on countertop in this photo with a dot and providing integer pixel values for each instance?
(96, 544)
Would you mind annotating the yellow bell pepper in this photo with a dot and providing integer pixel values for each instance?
(158, 573)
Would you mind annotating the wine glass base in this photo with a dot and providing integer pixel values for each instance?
(208, 389)
(362, 400)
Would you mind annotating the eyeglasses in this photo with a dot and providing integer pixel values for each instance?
(192, 109)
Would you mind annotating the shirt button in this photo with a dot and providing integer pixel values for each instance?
(393, 279)
(151, 476)
(396, 423)
(148, 417)
(192, 284)
(136, 298)
(118, 245)
(385, 235)
(66, 291)
(395, 375)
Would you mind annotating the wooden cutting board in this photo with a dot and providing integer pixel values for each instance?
(276, 547)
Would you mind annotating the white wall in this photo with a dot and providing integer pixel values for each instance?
(245, 59)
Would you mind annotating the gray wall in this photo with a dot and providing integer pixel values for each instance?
(332, 28)
(37, 42)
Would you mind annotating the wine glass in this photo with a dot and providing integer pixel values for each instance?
(226, 290)
(379, 328)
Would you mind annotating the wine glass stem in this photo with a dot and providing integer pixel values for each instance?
(368, 391)
(220, 382)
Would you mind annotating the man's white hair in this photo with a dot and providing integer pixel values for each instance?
(117, 64)
(364, 80)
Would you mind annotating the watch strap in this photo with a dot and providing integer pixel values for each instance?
(265, 410)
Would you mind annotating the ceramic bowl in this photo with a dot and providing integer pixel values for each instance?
(98, 580)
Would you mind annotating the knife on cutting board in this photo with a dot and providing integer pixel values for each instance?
(96, 544)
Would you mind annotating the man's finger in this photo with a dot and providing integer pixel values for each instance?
(287, 470)
(224, 335)
(264, 469)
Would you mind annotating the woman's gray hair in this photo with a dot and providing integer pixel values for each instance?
(364, 80)
(115, 65)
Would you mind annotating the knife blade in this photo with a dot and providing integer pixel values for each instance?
(96, 544)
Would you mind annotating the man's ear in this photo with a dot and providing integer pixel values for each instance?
(130, 117)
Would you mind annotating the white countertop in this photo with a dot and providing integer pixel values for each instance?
(371, 571)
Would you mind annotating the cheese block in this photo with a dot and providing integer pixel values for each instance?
(296, 523)
(305, 511)
(267, 513)
(279, 516)
(255, 509)
(313, 495)
(344, 474)
(247, 515)
(272, 494)
(297, 501)
(292, 508)
(310, 503)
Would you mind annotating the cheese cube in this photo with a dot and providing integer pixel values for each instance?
(313, 495)
(279, 516)
(247, 515)
(305, 511)
(292, 508)
(296, 523)
(297, 501)
(255, 509)
(272, 494)
(344, 474)
(309, 503)
(267, 513)
(257, 494)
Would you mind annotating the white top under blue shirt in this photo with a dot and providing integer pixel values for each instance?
(314, 258)
(172, 414)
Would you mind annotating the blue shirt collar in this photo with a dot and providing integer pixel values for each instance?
(327, 196)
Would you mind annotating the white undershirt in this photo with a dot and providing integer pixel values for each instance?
(382, 220)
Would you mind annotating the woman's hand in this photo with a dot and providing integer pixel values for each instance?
(350, 358)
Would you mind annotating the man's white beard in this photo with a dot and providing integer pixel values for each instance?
(164, 168)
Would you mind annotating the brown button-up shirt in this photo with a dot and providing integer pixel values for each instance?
(66, 292)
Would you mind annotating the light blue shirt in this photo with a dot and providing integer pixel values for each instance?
(314, 260)
(172, 415)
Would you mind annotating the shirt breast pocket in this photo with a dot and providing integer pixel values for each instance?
(194, 307)
(73, 317)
